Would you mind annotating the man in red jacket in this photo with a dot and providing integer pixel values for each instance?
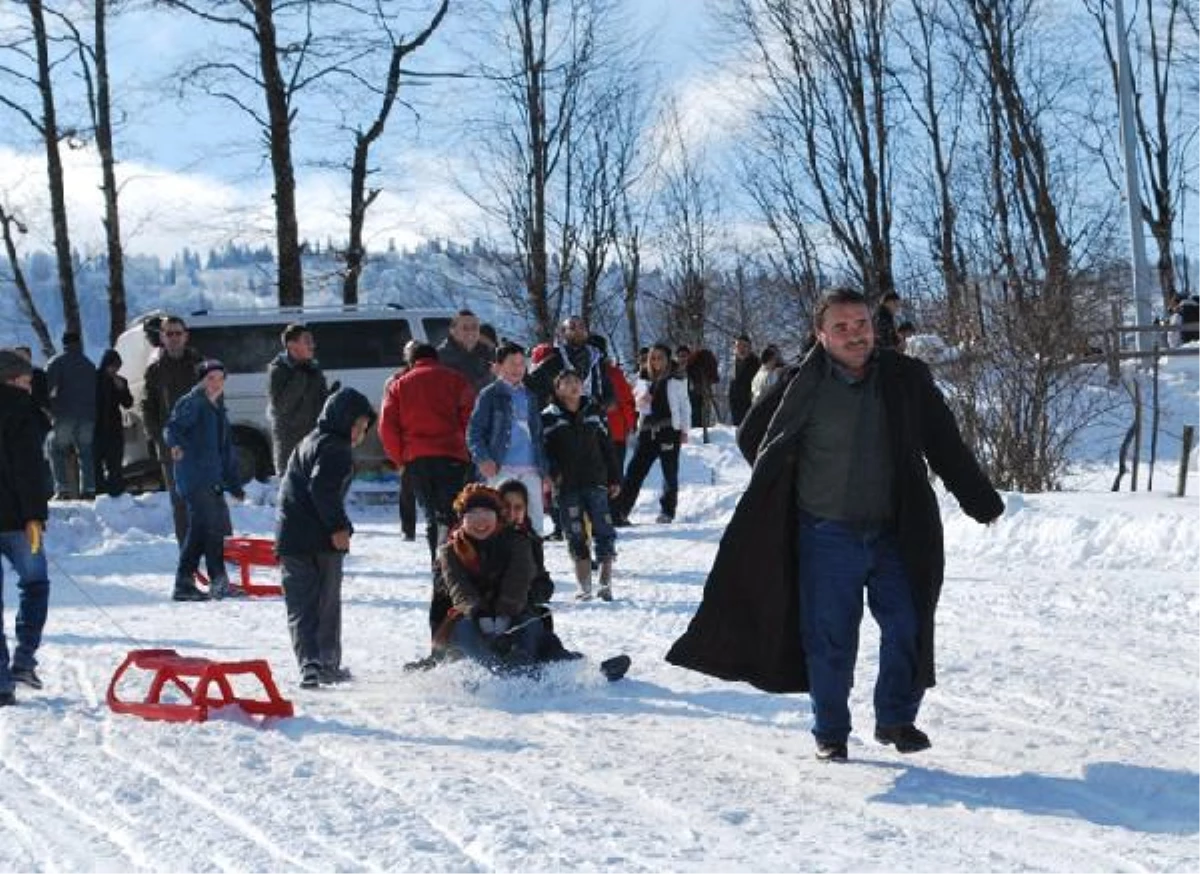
(423, 427)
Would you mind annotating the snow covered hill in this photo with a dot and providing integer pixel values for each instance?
(1065, 725)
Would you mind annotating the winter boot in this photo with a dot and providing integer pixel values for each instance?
(604, 590)
(218, 588)
(583, 576)
(187, 590)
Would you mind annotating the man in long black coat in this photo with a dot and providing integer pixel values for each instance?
(838, 500)
(745, 365)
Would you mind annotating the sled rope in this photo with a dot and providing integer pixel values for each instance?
(63, 572)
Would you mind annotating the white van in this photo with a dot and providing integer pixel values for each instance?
(360, 347)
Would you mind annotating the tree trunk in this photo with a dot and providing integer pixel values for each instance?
(18, 277)
(287, 231)
(54, 170)
(360, 197)
(118, 312)
(537, 274)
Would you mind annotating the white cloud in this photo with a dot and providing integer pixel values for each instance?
(162, 210)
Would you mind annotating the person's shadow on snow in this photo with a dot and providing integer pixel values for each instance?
(1151, 800)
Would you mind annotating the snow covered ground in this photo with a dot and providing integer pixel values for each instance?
(1065, 726)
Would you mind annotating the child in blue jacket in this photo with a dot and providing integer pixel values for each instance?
(200, 441)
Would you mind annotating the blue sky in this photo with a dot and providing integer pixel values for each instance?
(195, 173)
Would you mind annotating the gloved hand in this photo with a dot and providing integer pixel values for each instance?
(33, 531)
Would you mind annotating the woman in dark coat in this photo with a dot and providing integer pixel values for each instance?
(108, 444)
(748, 624)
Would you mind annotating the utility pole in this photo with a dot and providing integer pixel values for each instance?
(1133, 188)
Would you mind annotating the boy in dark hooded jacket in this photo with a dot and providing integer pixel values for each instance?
(312, 534)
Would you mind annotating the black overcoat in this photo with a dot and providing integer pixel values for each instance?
(748, 624)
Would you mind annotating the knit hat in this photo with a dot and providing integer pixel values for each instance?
(13, 364)
(541, 352)
(477, 496)
(207, 366)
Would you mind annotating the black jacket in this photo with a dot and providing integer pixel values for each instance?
(312, 492)
(111, 397)
(579, 452)
(167, 379)
(740, 396)
(747, 626)
(296, 393)
(22, 467)
(585, 360)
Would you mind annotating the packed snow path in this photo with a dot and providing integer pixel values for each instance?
(1064, 727)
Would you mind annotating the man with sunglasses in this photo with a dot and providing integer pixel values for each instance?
(169, 376)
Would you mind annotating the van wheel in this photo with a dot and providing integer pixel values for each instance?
(253, 455)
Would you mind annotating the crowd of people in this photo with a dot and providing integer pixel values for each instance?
(490, 449)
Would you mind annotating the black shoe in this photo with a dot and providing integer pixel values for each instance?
(616, 667)
(27, 676)
(7, 699)
(189, 593)
(621, 522)
(409, 538)
(333, 676)
(906, 738)
(832, 751)
(310, 677)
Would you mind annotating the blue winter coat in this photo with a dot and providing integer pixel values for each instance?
(312, 491)
(71, 379)
(490, 428)
(201, 428)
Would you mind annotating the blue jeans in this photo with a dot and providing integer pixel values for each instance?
(34, 585)
(207, 525)
(576, 504)
(836, 561)
(520, 647)
(70, 431)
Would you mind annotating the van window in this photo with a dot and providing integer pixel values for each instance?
(241, 348)
(436, 330)
(356, 345)
(341, 345)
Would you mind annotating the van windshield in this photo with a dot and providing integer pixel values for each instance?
(341, 345)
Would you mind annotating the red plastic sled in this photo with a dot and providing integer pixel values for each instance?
(246, 553)
(198, 679)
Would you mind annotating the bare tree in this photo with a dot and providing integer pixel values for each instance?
(823, 66)
(360, 197)
(8, 224)
(935, 91)
(689, 219)
(548, 51)
(297, 45)
(1164, 115)
(93, 60)
(19, 78)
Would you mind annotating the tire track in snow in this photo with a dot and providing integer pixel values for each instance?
(562, 801)
(46, 777)
(200, 807)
